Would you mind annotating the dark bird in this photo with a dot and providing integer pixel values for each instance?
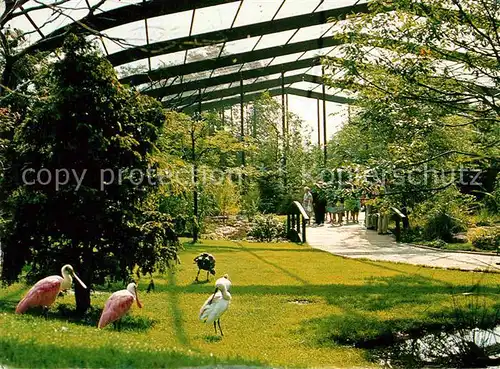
(205, 261)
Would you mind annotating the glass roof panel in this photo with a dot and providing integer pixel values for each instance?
(48, 19)
(256, 11)
(195, 76)
(337, 92)
(168, 59)
(311, 33)
(307, 86)
(333, 4)
(275, 39)
(226, 70)
(286, 58)
(203, 53)
(169, 26)
(154, 85)
(317, 52)
(240, 46)
(125, 36)
(71, 10)
(214, 18)
(186, 94)
(22, 23)
(269, 77)
(138, 66)
(296, 72)
(225, 86)
(167, 98)
(297, 7)
(257, 64)
(113, 4)
(43, 18)
(250, 81)
(222, 87)
(316, 71)
(210, 89)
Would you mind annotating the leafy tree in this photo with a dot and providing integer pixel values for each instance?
(226, 196)
(278, 183)
(196, 143)
(98, 136)
(426, 78)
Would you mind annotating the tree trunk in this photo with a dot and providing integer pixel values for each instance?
(195, 205)
(85, 271)
(82, 297)
(195, 185)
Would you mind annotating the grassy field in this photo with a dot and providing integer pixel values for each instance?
(292, 306)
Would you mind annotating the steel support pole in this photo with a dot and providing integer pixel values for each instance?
(254, 122)
(324, 117)
(242, 120)
(195, 172)
(199, 103)
(319, 124)
(283, 127)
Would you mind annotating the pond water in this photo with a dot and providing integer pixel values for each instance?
(471, 348)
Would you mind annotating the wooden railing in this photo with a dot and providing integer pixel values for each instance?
(399, 217)
(296, 221)
(380, 223)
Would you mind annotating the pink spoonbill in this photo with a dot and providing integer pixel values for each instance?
(118, 304)
(217, 304)
(45, 291)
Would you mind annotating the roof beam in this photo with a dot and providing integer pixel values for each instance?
(233, 34)
(229, 60)
(209, 105)
(228, 78)
(234, 91)
(123, 15)
(231, 101)
(317, 95)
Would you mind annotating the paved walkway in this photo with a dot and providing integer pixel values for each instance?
(355, 241)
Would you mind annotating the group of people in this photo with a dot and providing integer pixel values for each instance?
(325, 207)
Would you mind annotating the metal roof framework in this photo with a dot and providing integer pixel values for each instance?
(183, 50)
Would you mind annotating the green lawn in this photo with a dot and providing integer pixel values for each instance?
(348, 301)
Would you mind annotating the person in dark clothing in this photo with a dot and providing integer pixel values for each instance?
(319, 201)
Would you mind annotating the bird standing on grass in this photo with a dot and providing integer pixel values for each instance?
(205, 261)
(217, 304)
(45, 291)
(118, 304)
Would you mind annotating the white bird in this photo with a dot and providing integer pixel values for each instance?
(217, 304)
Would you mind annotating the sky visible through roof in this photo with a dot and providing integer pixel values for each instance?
(221, 17)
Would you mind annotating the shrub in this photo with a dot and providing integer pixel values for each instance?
(484, 218)
(267, 228)
(439, 244)
(485, 238)
(251, 202)
(227, 198)
(444, 215)
(412, 234)
(492, 200)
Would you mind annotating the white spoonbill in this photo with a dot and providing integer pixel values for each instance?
(118, 304)
(45, 291)
(217, 304)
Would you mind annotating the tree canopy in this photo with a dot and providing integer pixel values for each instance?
(80, 172)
